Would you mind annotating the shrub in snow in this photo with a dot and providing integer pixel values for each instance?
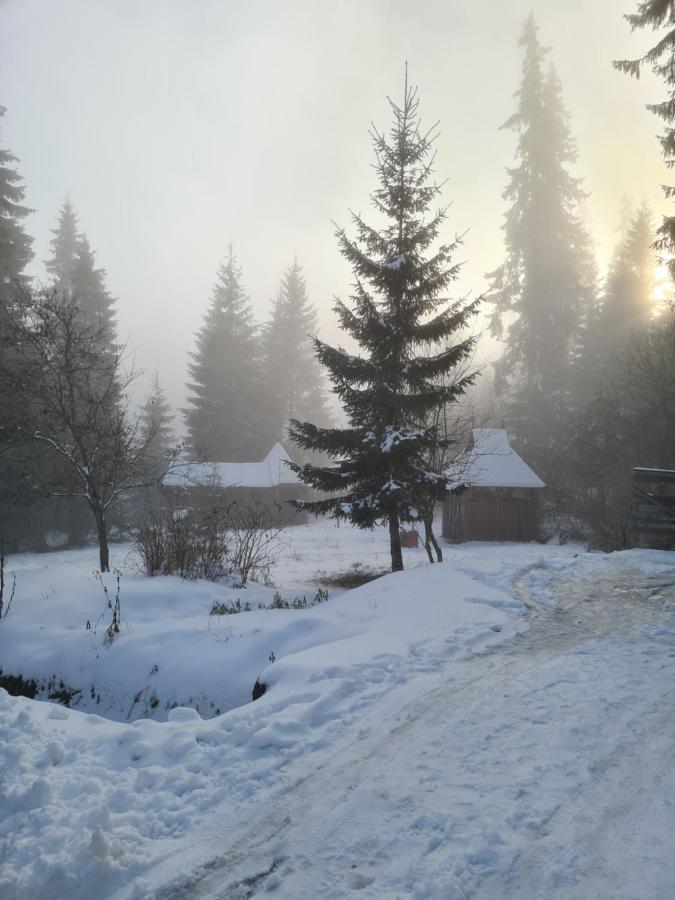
(239, 540)
(170, 544)
(255, 530)
(278, 602)
(112, 605)
(228, 608)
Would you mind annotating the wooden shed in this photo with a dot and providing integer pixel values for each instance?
(652, 514)
(498, 496)
(269, 481)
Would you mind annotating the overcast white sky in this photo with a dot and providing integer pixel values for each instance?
(179, 125)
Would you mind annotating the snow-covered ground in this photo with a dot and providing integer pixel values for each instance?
(170, 651)
(497, 726)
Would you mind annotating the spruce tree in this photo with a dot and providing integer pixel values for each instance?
(15, 244)
(90, 292)
(156, 423)
(72, 267)
(15, 255)
(293, 376)
(223, 418)
(546, 282)
(378, 472)
(64, 248)
(659, 16)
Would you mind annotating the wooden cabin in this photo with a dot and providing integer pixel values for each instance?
(498, 493)
(270, 481)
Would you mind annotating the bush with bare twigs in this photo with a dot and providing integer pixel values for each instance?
(180, 543)
(255, 531)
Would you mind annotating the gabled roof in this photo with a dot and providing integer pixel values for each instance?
(491, 461)
(270, 472)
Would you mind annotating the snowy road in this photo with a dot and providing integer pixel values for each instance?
(540, 768)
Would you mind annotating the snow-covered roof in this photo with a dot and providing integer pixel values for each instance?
(491, 461)
(270, 472)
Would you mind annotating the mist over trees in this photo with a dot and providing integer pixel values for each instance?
(293, 377)
(225, 386)
(157, 428)
(546, 282)
(628, 301)
(72, 267)
(584, 382)
(248, 380)
(64, 248)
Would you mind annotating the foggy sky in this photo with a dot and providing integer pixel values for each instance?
(178, 125)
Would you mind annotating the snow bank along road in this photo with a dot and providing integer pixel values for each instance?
(540, 768)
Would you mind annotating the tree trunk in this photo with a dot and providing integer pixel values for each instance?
(430, 537)
(395, 542)
(430, 540)
(427, 539)
(102, 532)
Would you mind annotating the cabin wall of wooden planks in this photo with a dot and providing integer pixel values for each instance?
(491, 514)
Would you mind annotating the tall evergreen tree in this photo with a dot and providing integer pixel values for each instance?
(90, 292)
(223, 418)
(15, 255)
(295, 383)
(64, 248)
(72, 267)
(547, 277)
(378, 472)
(15, 244)
(157, 423)
(659, 16)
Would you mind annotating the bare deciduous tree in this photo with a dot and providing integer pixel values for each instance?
(69, 405)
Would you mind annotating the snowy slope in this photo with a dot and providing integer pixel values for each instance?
(401, 750)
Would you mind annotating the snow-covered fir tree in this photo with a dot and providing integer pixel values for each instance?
(223, 417)
(377, 472)
(157, 423)
(294, 379)
(547, 280)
